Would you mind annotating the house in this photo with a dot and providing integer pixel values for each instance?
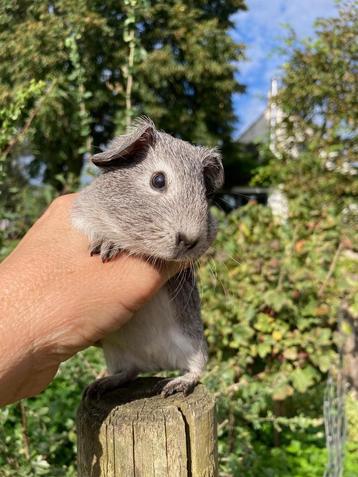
(265, 129)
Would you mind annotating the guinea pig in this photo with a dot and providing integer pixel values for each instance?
(152, 200)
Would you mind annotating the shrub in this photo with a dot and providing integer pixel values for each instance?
(271, 297)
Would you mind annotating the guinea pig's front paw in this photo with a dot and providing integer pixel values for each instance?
(106, 249)
(109, 250)
(184, 384)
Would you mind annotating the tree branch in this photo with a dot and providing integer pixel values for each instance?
(22, 133)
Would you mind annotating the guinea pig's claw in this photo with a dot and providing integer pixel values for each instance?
(106, 249)
(109, 251)
(95, 248)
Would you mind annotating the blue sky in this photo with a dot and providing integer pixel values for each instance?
(261, 30)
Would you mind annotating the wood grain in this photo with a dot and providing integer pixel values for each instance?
(134, 433)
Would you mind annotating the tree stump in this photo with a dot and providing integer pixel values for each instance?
(133, 433)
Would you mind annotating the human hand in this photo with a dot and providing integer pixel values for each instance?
(57, 300)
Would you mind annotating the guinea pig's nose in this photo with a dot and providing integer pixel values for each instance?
(184, 241)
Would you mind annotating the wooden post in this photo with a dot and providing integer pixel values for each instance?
(133, 433)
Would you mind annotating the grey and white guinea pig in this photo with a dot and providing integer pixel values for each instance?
(152, 197)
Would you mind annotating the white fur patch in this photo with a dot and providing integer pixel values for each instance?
(153, 340)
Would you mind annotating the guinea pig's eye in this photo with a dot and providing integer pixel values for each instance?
(158, 180)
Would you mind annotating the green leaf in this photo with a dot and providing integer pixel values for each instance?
(302, 379)
(263, 349)
(282, 392)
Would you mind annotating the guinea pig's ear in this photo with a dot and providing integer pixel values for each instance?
(124, 148)
(213, 171)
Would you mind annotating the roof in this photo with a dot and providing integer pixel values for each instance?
(257, 131)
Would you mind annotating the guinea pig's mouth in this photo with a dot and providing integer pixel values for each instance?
(161, 262)
(187, 259)
(185, 249)
(184, 257)
(173, 256)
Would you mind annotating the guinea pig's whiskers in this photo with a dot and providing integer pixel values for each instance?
(235, 260)
(222, 200)
(226, 291)
(189, 297)
(182, 279)
(219, 206)
(216, 277)
(179, 278)
(213, 275)
(192, 269)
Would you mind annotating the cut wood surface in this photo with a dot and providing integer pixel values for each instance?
(133, 433)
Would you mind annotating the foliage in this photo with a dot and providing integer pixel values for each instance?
(271, 296)
(15, 119)
(11, 114)
(245, 164)
(268, 320)
(28, 203)
(277, 332)
(276, 299)
(319, 88)
(352, 416)
(297, 458)
(38, 436)
(182, 70)
(316, 136)
(135, 53)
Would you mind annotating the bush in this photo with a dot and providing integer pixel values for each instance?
(271, 297)
(38, 436)
(275, 305)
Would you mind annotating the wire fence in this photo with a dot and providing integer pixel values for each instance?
(334, 408)
(335, 424)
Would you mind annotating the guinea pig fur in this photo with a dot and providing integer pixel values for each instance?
(152, 200)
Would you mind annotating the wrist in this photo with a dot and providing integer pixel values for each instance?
(16, 337)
